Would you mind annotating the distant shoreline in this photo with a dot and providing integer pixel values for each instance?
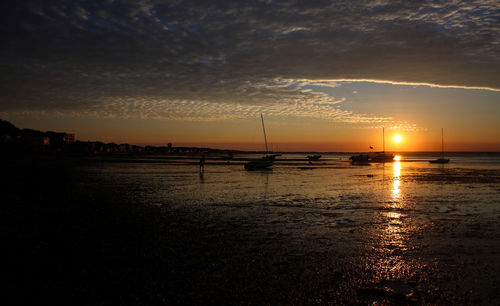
(28, 140)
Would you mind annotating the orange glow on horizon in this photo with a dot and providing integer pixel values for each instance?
(305, 139)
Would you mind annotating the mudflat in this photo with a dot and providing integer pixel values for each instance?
(89, 231)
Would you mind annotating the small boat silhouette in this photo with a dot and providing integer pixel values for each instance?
(265, 162)
(441, 160)
(313, 157)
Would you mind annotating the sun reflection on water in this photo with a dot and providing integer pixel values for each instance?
(393, 234)
(396, 192)
(393, 215)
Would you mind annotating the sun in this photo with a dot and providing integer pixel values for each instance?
(397, 138)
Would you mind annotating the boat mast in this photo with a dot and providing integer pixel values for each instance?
(383, 138)
(264, 129)
(442, 143)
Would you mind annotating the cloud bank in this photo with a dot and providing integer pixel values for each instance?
(210, 60)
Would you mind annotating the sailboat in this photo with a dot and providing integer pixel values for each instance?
(382, 157)
(361, 159)
(441, 160)
(265, 162)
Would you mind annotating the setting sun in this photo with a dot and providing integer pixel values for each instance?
(397, 138)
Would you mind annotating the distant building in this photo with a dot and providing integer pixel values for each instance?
(35, 141)
(70, 138)
(60, 139)
(46, 141)
(169, 146)
(124, 148)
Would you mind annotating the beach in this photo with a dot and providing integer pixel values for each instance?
(135, 230)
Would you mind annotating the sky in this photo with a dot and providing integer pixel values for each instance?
(326, 75)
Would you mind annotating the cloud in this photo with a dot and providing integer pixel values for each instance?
(284, 98)
(178, 59)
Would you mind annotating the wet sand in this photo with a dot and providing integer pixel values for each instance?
(80, 236)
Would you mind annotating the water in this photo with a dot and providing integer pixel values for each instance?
(407, 231)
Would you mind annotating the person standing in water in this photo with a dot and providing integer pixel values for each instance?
(202, 164)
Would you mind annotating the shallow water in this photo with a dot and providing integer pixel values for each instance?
(406, 231)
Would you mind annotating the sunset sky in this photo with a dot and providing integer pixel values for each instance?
(326, 75)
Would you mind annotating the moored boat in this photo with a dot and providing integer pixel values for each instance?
(360, 159)
(382, 157)
(265, 162)
(378, 157)
(441, 160)
(260, 163)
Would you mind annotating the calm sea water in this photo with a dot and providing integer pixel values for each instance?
(311, 192)
(410, 226)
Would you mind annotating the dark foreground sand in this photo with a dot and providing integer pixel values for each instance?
(66, 240)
